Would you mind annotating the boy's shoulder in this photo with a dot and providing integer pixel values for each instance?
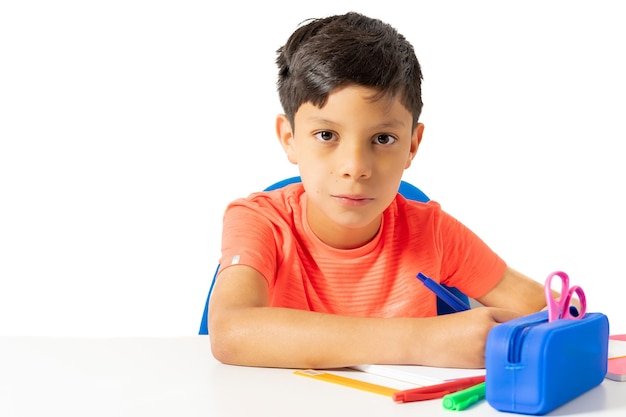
(289, 194)
(407, 204)
(282, 201)
(417, 215)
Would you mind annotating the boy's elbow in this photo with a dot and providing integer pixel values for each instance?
(220, 350)
(224, 343)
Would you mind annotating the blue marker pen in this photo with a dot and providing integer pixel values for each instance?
(441, 292)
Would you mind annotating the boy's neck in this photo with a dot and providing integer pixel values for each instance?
(337, 236)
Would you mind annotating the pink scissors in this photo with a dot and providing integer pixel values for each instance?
(563, 309)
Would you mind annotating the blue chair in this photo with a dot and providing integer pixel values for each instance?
(408, 190)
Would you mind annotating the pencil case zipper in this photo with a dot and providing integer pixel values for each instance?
(516, 342)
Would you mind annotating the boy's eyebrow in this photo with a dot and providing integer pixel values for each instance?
(390, 124)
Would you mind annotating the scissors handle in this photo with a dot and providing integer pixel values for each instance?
(566, 312)
(562, 309)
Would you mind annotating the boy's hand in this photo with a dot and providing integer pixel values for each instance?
(461, 339)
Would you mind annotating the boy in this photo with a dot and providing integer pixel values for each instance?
(322, 274)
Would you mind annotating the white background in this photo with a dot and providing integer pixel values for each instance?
(127, 126)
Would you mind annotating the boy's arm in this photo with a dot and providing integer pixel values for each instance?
(244, 330)
(515, 291)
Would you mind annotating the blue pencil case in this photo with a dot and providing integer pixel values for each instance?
(534, 366)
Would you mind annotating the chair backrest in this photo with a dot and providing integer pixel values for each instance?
(408, 190)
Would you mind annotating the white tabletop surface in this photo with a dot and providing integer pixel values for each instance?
(42, 376)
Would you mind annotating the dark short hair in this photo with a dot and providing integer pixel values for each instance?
(340, 50)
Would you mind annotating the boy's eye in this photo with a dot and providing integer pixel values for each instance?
(384, 139)
(325, 136)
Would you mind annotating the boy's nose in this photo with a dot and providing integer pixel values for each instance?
(354, 161)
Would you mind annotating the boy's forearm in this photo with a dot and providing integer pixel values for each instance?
(278, 337)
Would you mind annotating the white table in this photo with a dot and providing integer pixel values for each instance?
(114, 377)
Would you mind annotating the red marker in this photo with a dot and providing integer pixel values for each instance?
(436, 391)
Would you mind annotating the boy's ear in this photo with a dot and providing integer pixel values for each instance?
(285, 137)
(416, 139)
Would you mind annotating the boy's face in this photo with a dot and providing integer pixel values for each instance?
(351, 154)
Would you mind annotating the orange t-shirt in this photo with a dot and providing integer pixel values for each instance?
(268, 231)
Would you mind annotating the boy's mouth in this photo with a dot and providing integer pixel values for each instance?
(352, 200)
